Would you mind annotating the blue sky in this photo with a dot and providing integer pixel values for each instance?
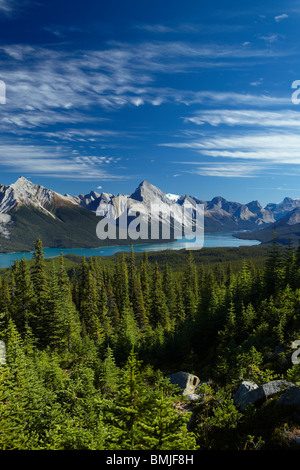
(193, 96)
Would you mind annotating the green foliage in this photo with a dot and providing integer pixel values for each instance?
(88, 348)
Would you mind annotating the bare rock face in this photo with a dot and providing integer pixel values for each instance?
(187, 382)
(249, 392)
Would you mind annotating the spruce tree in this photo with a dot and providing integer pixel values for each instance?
(164, 428)
(159, 312)
(89, 303)
(24, 303)
(40, 286)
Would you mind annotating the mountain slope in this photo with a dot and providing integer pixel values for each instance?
(29, 211)
(286, 230)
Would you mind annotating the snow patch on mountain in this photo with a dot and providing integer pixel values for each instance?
(5, 219)
(173, 197)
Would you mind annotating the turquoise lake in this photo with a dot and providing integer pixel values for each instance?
(210, 240)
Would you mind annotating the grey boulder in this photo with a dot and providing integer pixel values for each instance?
(258, 395)
(187, 382)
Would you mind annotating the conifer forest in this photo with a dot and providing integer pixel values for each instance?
(89, 349)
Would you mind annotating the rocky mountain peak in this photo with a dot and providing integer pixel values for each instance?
(148, 193)
(24, 192)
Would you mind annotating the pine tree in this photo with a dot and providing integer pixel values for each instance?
(273, 269)
(121, 284)
(124, 413)
(164, 428)
(131, 275)
(23, 300)
(139, 308)
(103, 314)
(27, 402)
(145, 282)
(169, 291)
(290, 266)
(191, 275)
(5, 301)
(89, 303)
(113, 310)
(159, 312)
(109, 374)
(128, 334)
(41, 291)
(63, 322)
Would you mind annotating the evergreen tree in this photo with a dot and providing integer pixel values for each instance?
(274, 271)
(159, 312)
(89, 303)
(103, 313)
(23, 300)
(41, 292)
(109, 374)
(125, 412)
(139, 308)
(164, 428)
(169, 291)
(145, 282)
(63, 322)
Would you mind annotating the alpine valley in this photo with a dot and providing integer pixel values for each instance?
(29, 211)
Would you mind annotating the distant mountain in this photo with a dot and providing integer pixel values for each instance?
(281, 209)
(29, 210)
(286, 230)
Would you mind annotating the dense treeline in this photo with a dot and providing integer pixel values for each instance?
(87, 353)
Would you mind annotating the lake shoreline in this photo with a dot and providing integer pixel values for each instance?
(211, 240)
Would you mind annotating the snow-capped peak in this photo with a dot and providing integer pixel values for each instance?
(173, 197)
(24, 192)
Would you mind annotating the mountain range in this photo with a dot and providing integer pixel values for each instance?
(29, 211)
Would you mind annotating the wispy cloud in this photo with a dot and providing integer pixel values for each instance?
(266, 147)
(12, 7)
(257, 82)
(271, 37)
(247, 117)
(7, 6)
(225, 170)
(190, 28)
(46, 86)
(281, 17)
(58, 162)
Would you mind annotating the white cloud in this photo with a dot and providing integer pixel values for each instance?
(11, 7)
(228, 170)
(246, 117)
(268, 147)
(257, 82)
(271, 37)
(281, 17)
(46, 86)
(6, 5)
(56, 162)
(137, 101)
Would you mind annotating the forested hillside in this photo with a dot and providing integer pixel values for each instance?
(87, 353)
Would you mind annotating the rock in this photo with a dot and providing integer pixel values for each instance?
(259, 394)
(194, 397)
(187, 382)
(2, 353)
(241, 397)
(275, 386)
(291, 398)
